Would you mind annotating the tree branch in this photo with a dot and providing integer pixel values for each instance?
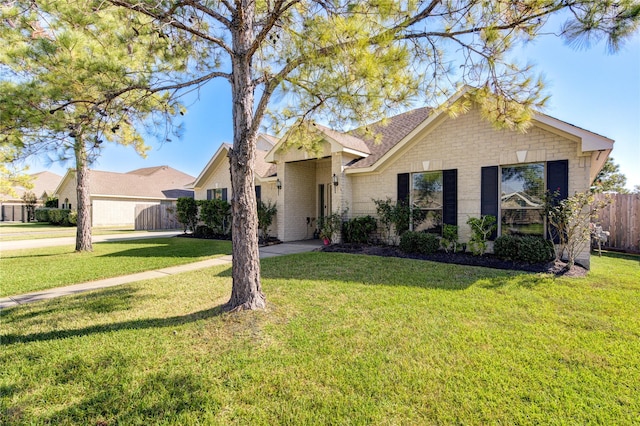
(164, 18)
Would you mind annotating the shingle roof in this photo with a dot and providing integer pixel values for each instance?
(264, 169)
(42, 182)
(152, 182)
(396, 129)
(348, 140)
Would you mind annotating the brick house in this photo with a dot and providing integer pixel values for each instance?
(470, 167)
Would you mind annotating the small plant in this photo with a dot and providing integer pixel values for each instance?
(330, 225)
(266, 213)
(568, 222)
(187, 213)
(359, 229)
(481, 230)
(449, 240)
(419, 242)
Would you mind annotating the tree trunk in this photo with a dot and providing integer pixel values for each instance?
(246, 292)
(83, 232)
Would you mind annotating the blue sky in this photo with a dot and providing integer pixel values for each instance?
(589, 88)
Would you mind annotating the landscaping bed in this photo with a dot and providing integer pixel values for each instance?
(486, 260)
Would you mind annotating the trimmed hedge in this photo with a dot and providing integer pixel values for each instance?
(62, 217)
(529, 249)
(419, 242)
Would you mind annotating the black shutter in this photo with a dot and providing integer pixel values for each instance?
(450, 197)
(489, 194)
(558, 182)
(558, 178)
(224, 194)
(403, 187)
(258, 192)
(209, 194)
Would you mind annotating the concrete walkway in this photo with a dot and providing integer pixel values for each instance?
(265, 252)
(71, 241)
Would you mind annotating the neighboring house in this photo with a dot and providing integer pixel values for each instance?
(215, 180)
(453, 168)
(118, 198)
(44, 185)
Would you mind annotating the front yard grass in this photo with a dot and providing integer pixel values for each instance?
(345, 340)
(29, 270)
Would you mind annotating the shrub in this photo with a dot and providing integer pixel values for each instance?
(55, 216)
(203, 231)
(51, 202)
(72, 218)
(449, 238)
(187, 213)
(399, 214)
(527, 248)
(266, 212)
(359, 229)
(330, 225)
(481, 230)
(216, 214)
(42, 214)
(419, 242)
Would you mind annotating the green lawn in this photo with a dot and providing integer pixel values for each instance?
(30, 270)
(345, 340)
(13, 231)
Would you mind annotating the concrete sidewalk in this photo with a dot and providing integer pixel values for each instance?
(71, 241)
(265, 252)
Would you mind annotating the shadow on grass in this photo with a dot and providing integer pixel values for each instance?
(171, 247)
(104, 301)
(618, 255)
(159, 398)
(140, 324)
(390, 271)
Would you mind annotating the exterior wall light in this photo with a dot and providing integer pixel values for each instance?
(278, 185)
(335, 181)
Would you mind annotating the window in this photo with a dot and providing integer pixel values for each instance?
(427, 195)
(522, 192)
(217, 194)
(258, 193)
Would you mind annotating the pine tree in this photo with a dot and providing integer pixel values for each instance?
(610, 178)
(73, 77)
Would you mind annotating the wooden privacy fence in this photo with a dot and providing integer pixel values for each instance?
(622, 219)
(156, 216)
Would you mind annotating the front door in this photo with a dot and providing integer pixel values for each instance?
(324, 201)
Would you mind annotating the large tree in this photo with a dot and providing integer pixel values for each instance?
(71, 79)
(346, 62)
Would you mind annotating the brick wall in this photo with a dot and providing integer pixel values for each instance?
(467, 144)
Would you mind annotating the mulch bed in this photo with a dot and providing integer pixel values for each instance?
(487, 260)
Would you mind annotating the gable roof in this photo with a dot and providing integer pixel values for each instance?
(42, 182)
(263, 169)
(161, 182)
(390, 134)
